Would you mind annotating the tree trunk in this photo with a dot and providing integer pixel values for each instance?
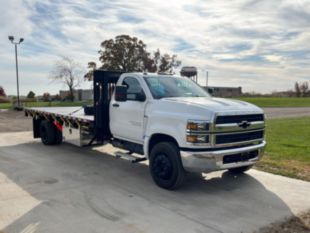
(71, 97)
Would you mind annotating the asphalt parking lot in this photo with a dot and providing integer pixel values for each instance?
(69, 189)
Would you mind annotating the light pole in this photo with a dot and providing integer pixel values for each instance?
(11, 38)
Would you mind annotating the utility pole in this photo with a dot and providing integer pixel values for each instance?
(11, 38)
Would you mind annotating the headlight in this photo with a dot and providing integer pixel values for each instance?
(197, 125)
(197, 132)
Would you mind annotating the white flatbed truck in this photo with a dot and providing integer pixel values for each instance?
(168, 120)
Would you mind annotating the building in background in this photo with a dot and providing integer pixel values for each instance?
(79, 94)
(192, 73)
(224, 91)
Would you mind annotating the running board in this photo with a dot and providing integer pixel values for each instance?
(128, 156)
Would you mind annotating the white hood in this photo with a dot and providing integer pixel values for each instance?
(217, 104)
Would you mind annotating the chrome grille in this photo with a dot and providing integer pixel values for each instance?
(238, 129)
(239, 118)
(238, 137)
(232, 130)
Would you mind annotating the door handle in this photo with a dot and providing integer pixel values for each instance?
(115, 105)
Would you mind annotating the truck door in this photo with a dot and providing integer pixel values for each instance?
(126, 118)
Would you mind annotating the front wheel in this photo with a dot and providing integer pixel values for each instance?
(166, 166)
(239, 170)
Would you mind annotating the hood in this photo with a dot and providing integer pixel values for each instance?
(217, 104)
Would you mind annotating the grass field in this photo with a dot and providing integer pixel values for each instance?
(46, 104)
(288, 148)
(5, 106)
(278, 101)
(259, 101)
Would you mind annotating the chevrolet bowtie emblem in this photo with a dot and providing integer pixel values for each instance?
(244, 124)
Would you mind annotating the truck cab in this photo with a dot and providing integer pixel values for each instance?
(182, 128)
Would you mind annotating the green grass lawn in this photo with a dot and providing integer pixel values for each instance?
(46, 104)
(288, 148)
(259, 101)
(5, 105)
(278, 101)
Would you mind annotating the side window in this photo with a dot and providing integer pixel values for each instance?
(134, 89)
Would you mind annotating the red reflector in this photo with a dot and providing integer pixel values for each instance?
(58, 125)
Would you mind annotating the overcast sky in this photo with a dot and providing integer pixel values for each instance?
(261, 45)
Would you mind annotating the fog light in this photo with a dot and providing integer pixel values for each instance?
(197, 138)
(191, 138)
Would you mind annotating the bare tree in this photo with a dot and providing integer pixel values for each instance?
(68, 72)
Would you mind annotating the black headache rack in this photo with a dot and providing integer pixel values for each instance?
(104, 85)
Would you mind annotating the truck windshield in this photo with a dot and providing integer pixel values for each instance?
(170, 86)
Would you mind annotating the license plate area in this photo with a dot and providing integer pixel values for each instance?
(240, 157)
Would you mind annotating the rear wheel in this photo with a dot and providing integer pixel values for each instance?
(239, 170)
(50, 135)
(165, 166)
(58, 136)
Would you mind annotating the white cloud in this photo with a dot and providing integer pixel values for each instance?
(259, 45)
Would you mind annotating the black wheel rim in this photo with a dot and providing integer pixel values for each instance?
(162, 167)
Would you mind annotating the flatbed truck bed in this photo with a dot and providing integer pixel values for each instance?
(77, 127)
(66, 113)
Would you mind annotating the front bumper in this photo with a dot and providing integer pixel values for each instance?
(207, 161)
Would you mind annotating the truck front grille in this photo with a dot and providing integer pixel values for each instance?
(239, 137)
(239, 118)
(238, 129)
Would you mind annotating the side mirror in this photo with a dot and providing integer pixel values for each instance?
(121, 93)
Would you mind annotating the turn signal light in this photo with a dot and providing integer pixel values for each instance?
(197, 126)
(192, 126)
(197, 138)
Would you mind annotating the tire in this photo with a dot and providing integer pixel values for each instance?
(240, 170)
(58, 137)
(166, 166)
(50, 135)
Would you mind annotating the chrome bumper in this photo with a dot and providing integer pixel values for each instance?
(208, 161)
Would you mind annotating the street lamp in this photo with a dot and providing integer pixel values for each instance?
(11, 38)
